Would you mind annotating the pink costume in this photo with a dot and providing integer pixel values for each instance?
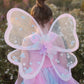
(42, 58)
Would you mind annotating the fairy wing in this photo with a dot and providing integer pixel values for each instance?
(29, 61)
(65, 27)
(63, 63)
(20, 35)
(66, 41)
(20, 25)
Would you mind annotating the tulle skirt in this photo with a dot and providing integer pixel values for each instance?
(48, 76)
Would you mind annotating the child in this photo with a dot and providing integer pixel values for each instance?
(43, 15)
(47, 75)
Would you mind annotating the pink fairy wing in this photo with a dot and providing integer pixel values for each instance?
(65, 27)
(63, 63)
(20, 25)
(29, 62)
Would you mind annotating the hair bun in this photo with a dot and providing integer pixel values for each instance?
(40, 3)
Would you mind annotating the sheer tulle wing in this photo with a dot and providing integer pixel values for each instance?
(65, 27)
(29, 62)
(62, 63)
(20, 25)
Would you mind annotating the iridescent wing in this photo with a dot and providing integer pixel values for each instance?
(22, 34)
(20, 25)
(65, 27)
(29, 62)
(63, 63)
(66, 41)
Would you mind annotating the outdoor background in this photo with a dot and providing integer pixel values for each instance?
(8, 71)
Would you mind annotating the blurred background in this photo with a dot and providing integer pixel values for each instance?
(8, 71)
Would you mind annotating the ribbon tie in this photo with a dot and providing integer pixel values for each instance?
(46, 47)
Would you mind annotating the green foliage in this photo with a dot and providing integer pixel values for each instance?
(82, 5)
(63, 4)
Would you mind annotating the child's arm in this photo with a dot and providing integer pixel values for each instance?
(19, 79)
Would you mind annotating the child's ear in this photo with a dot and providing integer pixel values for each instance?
(51, 20)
